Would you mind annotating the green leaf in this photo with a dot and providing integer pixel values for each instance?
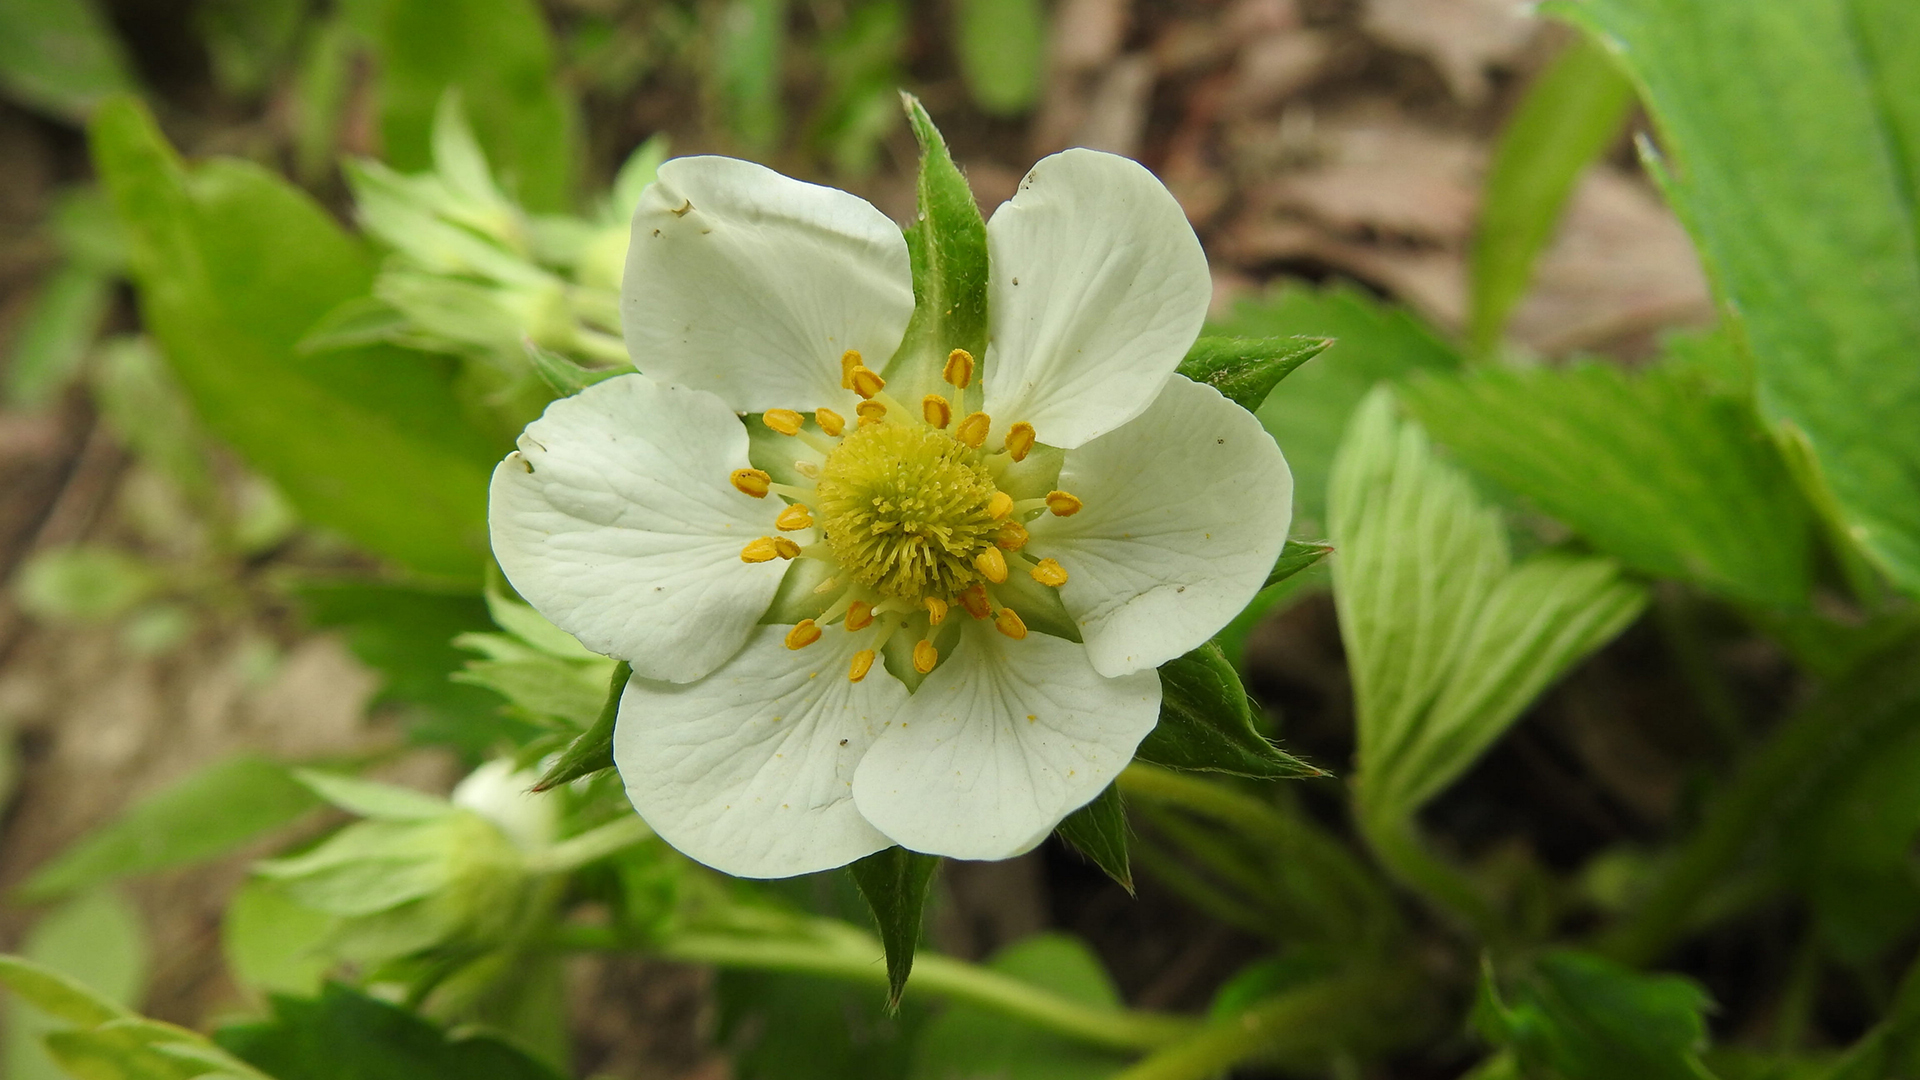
(592, 752)
(518, 618)
(1308, 413)
(1789, 144)
(55, 334)
(203, 815)
(372, 799)
(895, 883)
(565, 377)
(1572, 112)
(1584, 1018)
(947, 244)
(1295, 556)
(1099, 831)
(60, 56)
(345, 1033)
(1672, 479)
(969, 1043)
(57, 994)
(98, 940)
(136, 1048)
(1002, 46)
(778, 1026)
(1245, 370)
(234, 267)
(1206, 723)
(274, 944)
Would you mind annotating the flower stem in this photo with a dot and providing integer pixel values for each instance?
(594, 844)
(1396, 841)
(1304, 1023)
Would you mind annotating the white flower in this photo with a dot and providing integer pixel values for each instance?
(1032, 543)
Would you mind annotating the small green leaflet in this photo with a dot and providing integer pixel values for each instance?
(1245, 370)
(1206, 723)
(895, 883)
(1580, 1017)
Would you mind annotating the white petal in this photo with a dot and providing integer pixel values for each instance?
(1002, 741)
(1184, 512)
(750, 769)
(1096, 289)
(751, 284)
(615, 519)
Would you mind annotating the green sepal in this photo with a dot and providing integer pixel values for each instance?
(1206, 723)
(1099, 831)
(592, 752)
(895, 883)
(947, 248)
(563, 375)
(1245, 370)
(1295, 557)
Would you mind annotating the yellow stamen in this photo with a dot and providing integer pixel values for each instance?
(992, 565)
(803, 634)
(871, 410)
(862, 663)
(1050, 573)
(974, 599)
(937, 410)
(959, 369)
(751, 482)
(1013, 537)
(924, 656)
(936, 611)
(793, 518)
(866, 382)
(859, 615)
(849, 363)
(784, 421)
(1000, 505)
(785, 548)
(973, 430)
(1020, 440)
(830, 422)
(761, 550)
(1062, 504)
(1009, 624)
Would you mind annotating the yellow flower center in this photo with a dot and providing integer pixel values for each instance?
(906, 510)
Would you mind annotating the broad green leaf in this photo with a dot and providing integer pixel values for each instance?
(200, 816)
(1206, 723)
(1307, 414)
(57, 994)
(1671, 478)
(895, 883)
(947, 243)
(273, 944)
(1002, 46)
(345, 1033)
(498, 54)
(1447, 641)
(234, 267)
(1573, 110)
(748, 70)
(60, 56)
(135, 1048)
(1788, 136)
(98, 940)
(1099, 831)
(1580, 1017)
(592, 751)
(1245, 370)
(518, 618)
(969, 1043)
(372, 799)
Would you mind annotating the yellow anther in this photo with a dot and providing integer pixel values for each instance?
(803, 634)
(1013, 536)
(959, 369)
(973, 430)
(859, 615)
(1062, 504)
(784, 421)
(751, 482)
(785, 548)
(793, 518)
(873, 410)
(936, 611)
(761, 550)
(830, 422)
(992, 565)
(849, 363)
(1000, 505)
(862, 663)
(1009, 624)
(924, 656)
(866, 382)
(1050, 573)
(974, 599)
(1020, 440)
(937, 410)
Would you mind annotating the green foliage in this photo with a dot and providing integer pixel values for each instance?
(1658, 470)
(1206, 723)
(60, 56)
(345, 1033)
(1579, 1017)
(1245, 370)
(947, 244)
(203, 815)
(895, 883)
(100, 1040)
(97, 940)
(1002, 46)
(84, 584)
(592, 751)
(968, 1043)
(371, 442)
(748, 70)
(1099, 831)
(1789, 146)
(1574, 109)
(793, 1027)
(273, 944)
(1295, 557)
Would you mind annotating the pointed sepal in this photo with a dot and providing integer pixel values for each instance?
(947, 245)
(1295, 557)
(1206, 723)
(1245, 370)
(592, 751)
(1099, 831)
(896, 883)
